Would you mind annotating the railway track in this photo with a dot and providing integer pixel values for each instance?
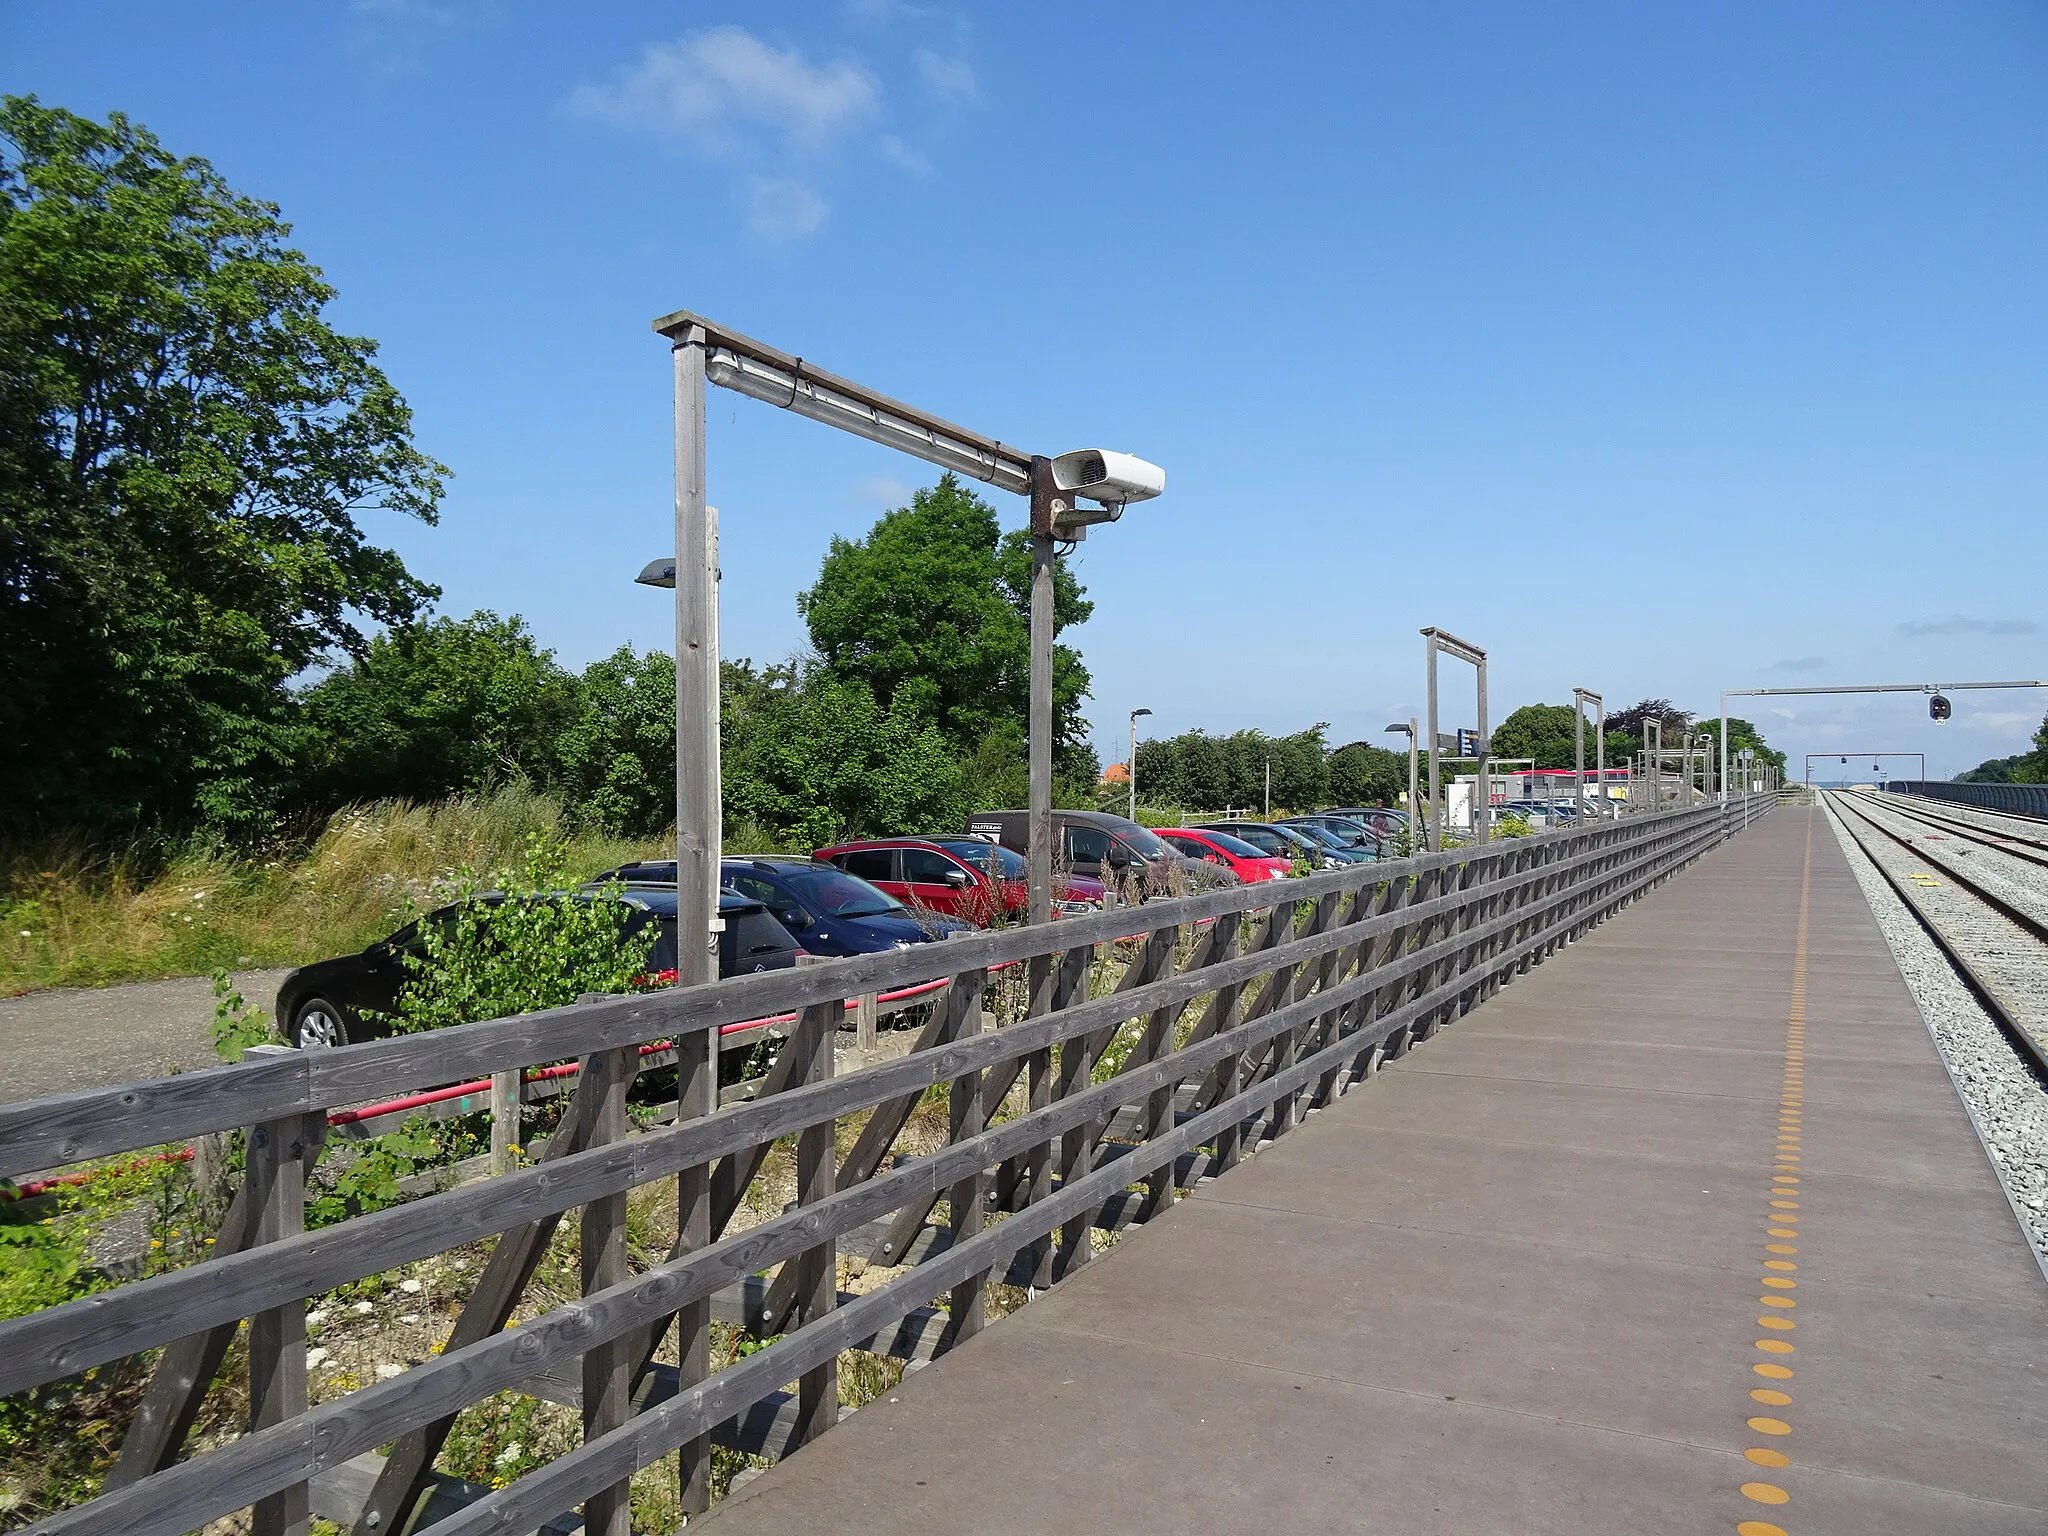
(2020, 837)
(1998, 946)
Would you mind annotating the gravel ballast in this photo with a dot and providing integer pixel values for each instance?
(2005, 1101)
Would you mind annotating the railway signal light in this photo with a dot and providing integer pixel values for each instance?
(1938, 708)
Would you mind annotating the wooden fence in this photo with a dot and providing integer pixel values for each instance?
(1236, 1012)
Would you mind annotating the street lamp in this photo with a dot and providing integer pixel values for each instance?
(1131, 767)
(1410, 730)
(706, 352)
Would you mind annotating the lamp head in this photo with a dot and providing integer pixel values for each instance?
(658, 573)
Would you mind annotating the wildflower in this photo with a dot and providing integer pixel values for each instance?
(26, 934)
(154, 1243)
(510, 1454)
(209, 1242)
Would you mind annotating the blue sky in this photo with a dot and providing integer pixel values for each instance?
(1658, 349)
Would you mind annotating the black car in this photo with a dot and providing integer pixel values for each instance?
(331, 1002)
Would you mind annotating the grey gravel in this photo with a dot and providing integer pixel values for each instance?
(2005, 1101)
(1955, 849)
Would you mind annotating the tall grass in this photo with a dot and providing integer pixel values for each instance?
(72, 919)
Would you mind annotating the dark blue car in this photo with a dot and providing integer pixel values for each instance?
(829, 911)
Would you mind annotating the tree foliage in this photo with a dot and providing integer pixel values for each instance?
(1545, 732)
(817, 758)
(438, 709)
(1200, 771)
(515, 944)
(1363, 774)
(931, 612)
(2020, 768)
(185, 444)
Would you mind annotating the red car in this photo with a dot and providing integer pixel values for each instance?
(966, 877)
(1233, 853)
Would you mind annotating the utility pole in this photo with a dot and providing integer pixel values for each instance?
(1131, 767)
(1269, 789)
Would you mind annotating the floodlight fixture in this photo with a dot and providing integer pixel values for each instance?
(658, 573)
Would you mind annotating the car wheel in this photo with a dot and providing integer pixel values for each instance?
(318, 1025)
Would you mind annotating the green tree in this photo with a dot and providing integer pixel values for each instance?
(816, 758)
(185, 444)
(1364, 774)
(931, 612)
(1198, 771)
(616, 760)
(1543, 732)
(434, 709)
(1741, 736)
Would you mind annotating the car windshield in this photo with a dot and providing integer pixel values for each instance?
(836, 893)
(992, 858)
(1142, 842)
(1318, 834)
(1236, 847)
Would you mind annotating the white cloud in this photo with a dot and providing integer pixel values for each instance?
(780, 210)
(1959, 624)
(948, 80)
(728, 94)
(887, 490)
(899, 153)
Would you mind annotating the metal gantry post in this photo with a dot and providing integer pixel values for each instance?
(1043, 555)
(698, 839)
(1435, 825)
(1580, 698)
(697, 776)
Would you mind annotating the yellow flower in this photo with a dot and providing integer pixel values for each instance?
(154, 1243)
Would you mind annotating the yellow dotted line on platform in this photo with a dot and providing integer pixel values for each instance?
(1781, 1227)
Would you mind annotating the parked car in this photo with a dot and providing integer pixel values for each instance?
(831, 911)
(968, 878)
(336, 1002)
(1335, 842)
(1383, 820)
(1241, 858)
(1354, 834)
(1105, 847)
(1280, 842)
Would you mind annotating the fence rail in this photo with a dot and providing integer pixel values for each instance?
(2017, 799)
(1236, 1012)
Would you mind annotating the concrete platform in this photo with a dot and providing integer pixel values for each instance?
(1515, 1284)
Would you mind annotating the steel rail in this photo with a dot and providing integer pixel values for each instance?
(2032, 850)
(2032, 1050)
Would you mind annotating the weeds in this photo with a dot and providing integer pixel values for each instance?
(70, 916)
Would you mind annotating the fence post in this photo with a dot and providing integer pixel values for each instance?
(276, 1183)
(608, 1368)
(696, 1097)
(817, 1281)
(505, 1120)
(865, 1009)
(966, 1116)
